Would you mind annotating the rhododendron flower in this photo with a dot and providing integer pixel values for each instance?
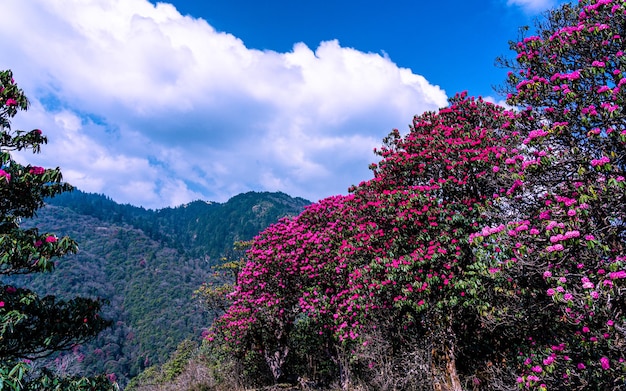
(604, 361)
(11, 102)
(37, 170)
(602, 160)
(587, 284)
(51, 239)
(619, 274)
(4, 174)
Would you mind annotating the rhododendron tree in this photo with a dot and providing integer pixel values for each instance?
(435, 187)
(396, 247)
(32, 326)
(284, 271)
(568, 233)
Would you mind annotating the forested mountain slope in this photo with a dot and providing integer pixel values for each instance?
(147, 264)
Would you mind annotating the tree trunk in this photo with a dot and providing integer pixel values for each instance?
(445, 376)
(343, 362)
(276, 360)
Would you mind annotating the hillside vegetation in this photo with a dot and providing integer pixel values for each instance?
(147, 264)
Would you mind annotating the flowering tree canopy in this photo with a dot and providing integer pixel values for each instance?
(32, 326)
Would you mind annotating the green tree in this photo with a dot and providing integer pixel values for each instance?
(32, 326)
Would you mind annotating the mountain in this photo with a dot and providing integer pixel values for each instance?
(147, 264)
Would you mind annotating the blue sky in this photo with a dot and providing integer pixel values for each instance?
(158, 104)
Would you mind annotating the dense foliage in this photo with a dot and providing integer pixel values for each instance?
(487, 251)
(34, 326)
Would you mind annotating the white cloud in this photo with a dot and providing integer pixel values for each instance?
(154, 108)
(534, 6)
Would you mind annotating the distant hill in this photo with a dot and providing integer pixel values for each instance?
(147, 263)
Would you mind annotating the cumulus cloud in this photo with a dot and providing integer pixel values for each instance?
(154, 108)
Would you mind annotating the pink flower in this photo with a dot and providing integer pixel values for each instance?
(580, 366)
(604, 361)
(602, 160)
(617, 275)
(495, 168)
(1, 304)
(51, 239)
(5, 175)
(587, 284)
(37, 170)
(11, 102)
